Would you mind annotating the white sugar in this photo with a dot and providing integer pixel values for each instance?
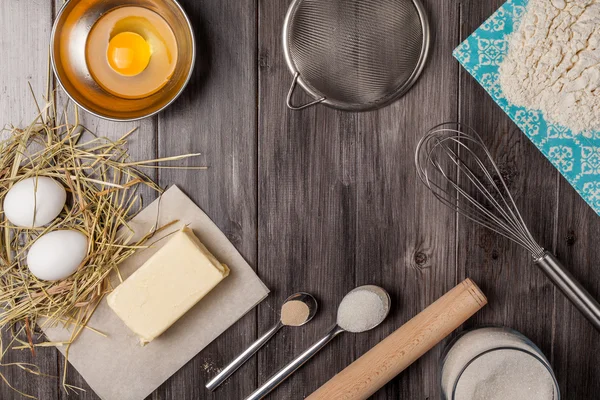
(498, 364)
(361, 310)
(505, 374)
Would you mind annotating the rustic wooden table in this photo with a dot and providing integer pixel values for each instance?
(323, 201)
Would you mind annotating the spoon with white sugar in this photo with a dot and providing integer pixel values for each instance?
(297, 310)
(361, 309)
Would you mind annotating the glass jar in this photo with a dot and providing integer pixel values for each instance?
(496, 363)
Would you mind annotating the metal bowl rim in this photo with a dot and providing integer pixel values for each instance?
(339, 105)
(185, 83)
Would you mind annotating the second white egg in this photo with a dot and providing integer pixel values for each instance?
(34, 201)
(57, 255)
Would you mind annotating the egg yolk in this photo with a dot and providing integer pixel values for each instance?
(128, 53)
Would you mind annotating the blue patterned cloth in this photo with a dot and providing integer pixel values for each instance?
(577, 157)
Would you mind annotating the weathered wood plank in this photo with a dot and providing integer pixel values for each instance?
(216, 115)
(405, 237)
(576, 343)
(333, 199)
(24, 36)
(142, 146)
(307, 214)
(520, 296)
(348, 165)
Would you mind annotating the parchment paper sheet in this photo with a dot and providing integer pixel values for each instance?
(117, 367)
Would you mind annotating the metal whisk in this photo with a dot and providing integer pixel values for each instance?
(454, 163)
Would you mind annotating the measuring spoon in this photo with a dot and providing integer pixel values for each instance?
(306, 298)
(368, 322)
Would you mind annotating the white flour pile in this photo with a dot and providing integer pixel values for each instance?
(553, 62)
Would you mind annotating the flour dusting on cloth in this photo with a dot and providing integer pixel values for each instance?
(553, 62)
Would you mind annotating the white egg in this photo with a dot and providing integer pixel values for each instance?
(56, 255)
(34, 202)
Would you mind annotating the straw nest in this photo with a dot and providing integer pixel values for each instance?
(101, 183)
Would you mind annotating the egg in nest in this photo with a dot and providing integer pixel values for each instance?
(131, 52)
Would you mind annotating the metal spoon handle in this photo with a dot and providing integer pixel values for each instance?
(289, 369)
(242, 358)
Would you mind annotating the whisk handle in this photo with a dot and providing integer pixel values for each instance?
(571, 288)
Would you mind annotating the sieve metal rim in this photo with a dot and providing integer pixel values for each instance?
(320, 98)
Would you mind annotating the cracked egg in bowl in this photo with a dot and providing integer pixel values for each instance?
(122, 61)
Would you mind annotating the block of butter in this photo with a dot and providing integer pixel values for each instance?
(167, 285)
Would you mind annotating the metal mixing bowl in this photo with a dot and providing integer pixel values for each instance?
(68, 41)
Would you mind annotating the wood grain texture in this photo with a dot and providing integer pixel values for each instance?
(400, 245)
(216, 116)
(376, 223)
(24, 37)
(307, 214)
(142, 146)
(576, 345)
(323, 201)
(520, 296)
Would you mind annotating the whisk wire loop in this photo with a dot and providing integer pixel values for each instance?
(460, 171)
(455, 163)
(506, 210)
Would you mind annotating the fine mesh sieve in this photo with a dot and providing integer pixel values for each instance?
(355, 55)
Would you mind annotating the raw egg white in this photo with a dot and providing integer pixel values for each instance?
(57, 255)
(34, 202)
(131, 52)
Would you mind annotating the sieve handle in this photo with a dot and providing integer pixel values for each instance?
(291, 92)
(572, 289)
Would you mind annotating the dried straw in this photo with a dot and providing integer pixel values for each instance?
(101, 182)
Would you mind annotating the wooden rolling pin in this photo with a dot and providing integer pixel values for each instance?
(396, 352)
